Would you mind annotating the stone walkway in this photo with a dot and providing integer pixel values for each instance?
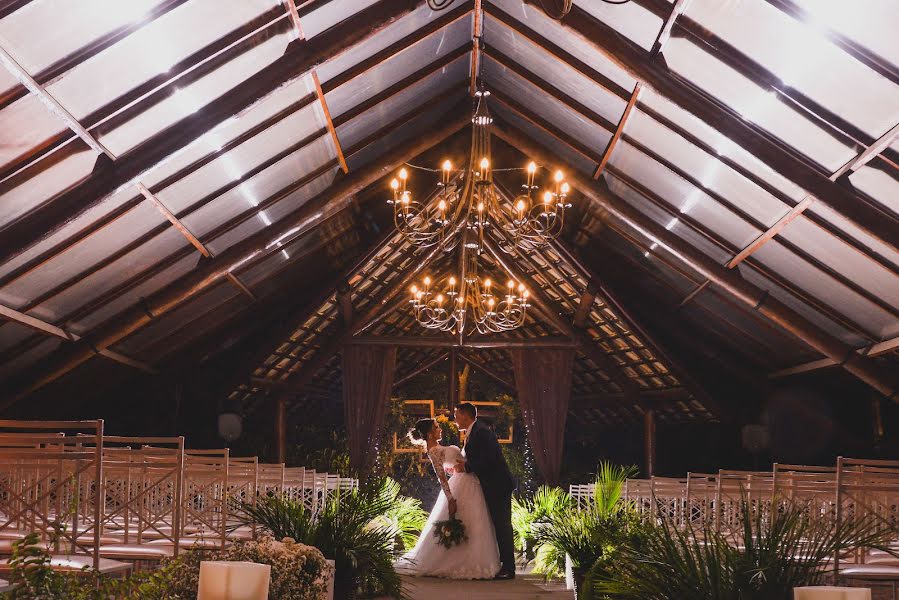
(523, 587)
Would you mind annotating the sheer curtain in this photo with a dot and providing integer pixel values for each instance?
(367, 382)
(543, 379)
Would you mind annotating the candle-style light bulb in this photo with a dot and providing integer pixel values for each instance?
(487, 283)
(520, 288)
(414, 289)
(404, 174)
(447, 165)
(525, 294)
(452, 281)
(485, 164)
(480, 207)
(532, 167)
(510, 284)
(427, 281)
(442, 205)
(559, 176)
(439, 298)
(547, 197)
(491, 302)
(394, 184)
(566, 188)
(520, 206)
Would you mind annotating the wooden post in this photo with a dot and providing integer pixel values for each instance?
(281, 429)
(453, 395)
(649, 441)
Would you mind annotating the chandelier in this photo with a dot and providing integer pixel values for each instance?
(465, 205)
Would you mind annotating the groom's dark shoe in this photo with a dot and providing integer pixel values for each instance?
(504, 575)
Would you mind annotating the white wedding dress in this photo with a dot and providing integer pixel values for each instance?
(475, 558)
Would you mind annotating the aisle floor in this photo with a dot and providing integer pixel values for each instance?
(524, 587)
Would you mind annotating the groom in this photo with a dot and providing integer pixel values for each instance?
(485, 459)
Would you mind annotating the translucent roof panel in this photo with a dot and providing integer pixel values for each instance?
(873, 27)
(843, 301)
(15, 140)
(889, 252)
(229, 208)
(66, 28)
(835, 329)
(30, 190)
(391, 34)
(760, 106)
(665, 219)
(843, 258)
(542, 105)
(130, 226)
(710, 172)
(683, 197)
(112, 276)
(628, 18)
(412, 128)
(450, 80)
(188, 99)
(880, 185)
(565, 79)
(565, 152)
(804, 59)
(718, 144)
(399, 66)
(235, 164)
(11, 333)
(534, 18)
(150, 51)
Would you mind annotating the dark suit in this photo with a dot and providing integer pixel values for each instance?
(485, 459)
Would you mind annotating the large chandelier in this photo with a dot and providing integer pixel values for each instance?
(464, 207)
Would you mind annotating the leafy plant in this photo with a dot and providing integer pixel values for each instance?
(405, 515)
(593, 536)
(772, 553)
(350, 529)
(530, 513)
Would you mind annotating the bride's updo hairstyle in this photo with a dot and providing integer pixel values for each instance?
(419, 434)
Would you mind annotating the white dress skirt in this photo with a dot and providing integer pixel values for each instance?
(475, 558)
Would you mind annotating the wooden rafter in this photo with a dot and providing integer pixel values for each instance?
(47, 328)
(173, 220)
(680, 6)
(692, 295)
(300, 58)
(421, 369)
(876, 349)
(610, 147)
(622, 215)
(654, 74)
(240, 285)
(328, 122)
(480, 366)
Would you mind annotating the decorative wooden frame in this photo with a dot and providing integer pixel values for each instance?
(396, 447)
(492, 404)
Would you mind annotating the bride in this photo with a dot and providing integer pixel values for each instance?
(462, 497)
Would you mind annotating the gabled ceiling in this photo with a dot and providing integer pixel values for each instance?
(162, 164)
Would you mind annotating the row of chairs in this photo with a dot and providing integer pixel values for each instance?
(98, 500)
(832, 495)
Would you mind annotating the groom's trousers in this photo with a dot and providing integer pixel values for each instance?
(499, 504)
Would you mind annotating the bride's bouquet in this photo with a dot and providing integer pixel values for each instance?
(450, 533)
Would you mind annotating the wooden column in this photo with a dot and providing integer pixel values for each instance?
(649, 441)
(452, 397)
(281, 428)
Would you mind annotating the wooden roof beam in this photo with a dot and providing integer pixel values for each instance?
(680, 6)
(47, 328)
(475, 344)
(876, 349)
(173, 220)
(610, 147)
(654, 74)
(487, 371)
(622, 215)
(235, 256)
(299, 59)
(421, 369)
